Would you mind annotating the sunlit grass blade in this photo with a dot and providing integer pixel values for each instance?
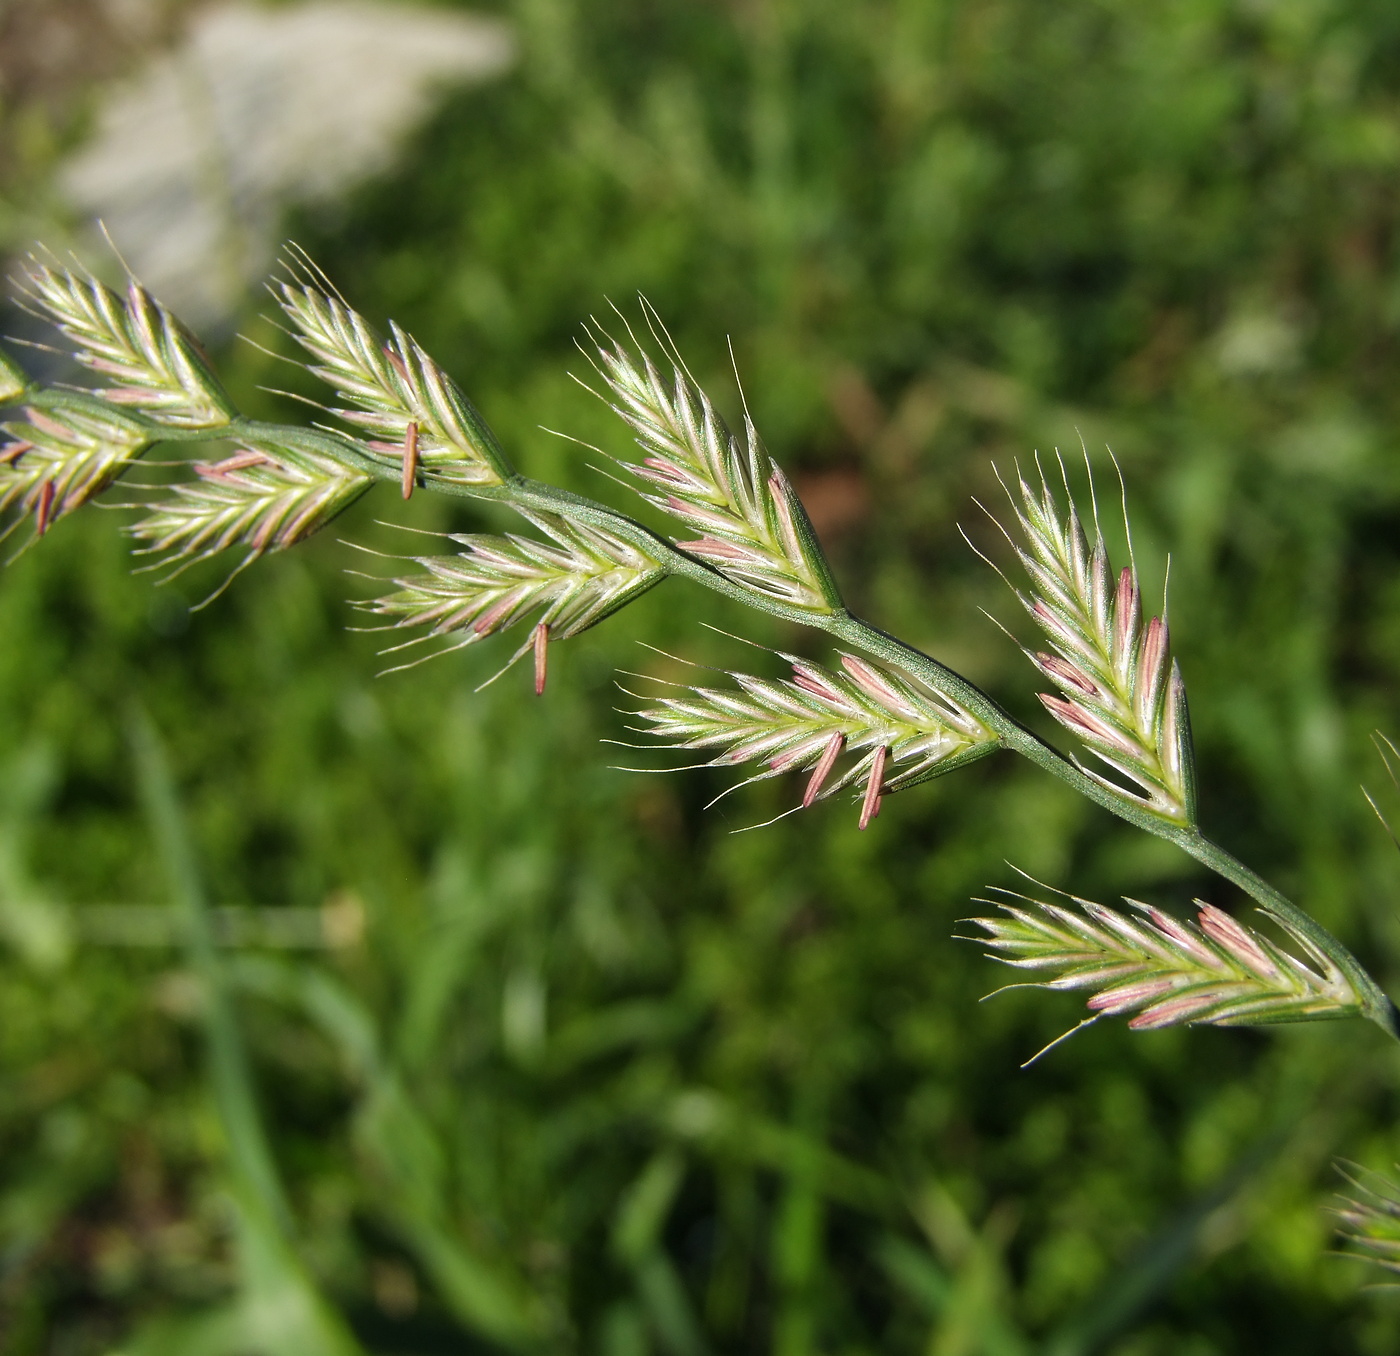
(280, 1309)
(402, 1154)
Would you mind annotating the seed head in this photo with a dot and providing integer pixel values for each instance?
(264, 497)
(569, 582)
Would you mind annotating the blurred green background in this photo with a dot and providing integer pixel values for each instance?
(550, 1059)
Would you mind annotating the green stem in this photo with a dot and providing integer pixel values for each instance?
(1008, 731)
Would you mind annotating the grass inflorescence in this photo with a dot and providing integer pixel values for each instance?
(884, 720)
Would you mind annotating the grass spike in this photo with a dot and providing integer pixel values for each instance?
(264, 497)
(53, 461)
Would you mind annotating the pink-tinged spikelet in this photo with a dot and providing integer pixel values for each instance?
(152, 363)
(53, 461)
(563, 584)
(1119, 690)
(857, 727)
(1165, 972)
(264, 500)
(753, 528)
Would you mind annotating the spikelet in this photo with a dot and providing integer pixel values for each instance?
(153, 364)
(1369, 1218)
(586, 574)
(54, 461)
(753, 526)
(414, 412)
(263, 497)
(816, 717)
(1166, 972)
(1120, 692)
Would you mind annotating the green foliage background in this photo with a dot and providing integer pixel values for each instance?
(602, 1075)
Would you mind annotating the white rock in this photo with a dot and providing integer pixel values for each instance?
(193, 162)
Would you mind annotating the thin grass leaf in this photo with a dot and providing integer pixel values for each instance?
(1149, 1272)
(1164, 971)
(151, 362)
(54, 461)
(413, 412)
(870, 717)
(576, 579)
(403, 1159)
(280, 1311)
(1119, 690)
(752, 524)
(263, 497)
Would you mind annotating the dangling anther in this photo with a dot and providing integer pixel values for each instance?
(12, 452)
(410, 457)
(41, 514)
(541, 656)
(822, 771)
(871, 805)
